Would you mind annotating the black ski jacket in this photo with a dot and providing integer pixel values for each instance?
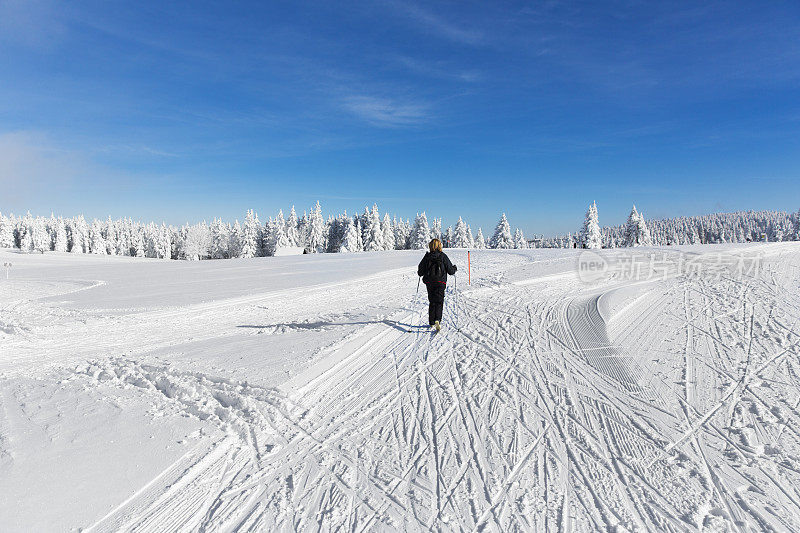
(422, 270)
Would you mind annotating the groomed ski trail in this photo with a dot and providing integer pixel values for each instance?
(534, 414)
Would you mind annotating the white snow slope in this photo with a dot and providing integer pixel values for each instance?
(285, 394)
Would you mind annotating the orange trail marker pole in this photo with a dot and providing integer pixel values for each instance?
(469, 270)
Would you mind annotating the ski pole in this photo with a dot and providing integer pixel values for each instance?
(416, 298)
(455, 301)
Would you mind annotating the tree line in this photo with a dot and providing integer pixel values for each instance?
(717, 228)
(343, 233)
(311, 233)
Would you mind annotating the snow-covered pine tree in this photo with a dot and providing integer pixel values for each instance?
(337, 229)
(316, 232)
(97, 244)
(402, 233)
(80, 236)
(138, 245)
(197, 242)
(480, 240)
(303, 228)
(6, 232)
(350, 242)
(220, 237)
(365, 224)
(24, 231)
(436, 229)
(164, 243)
(590, 234)
(124, 237)
(60, 244)
(235, 243)
(420, 235)
(636, 232)
(151, 240)
(359, 233)
(644, 232)
(797, 225)
(470, 238)
(283, 228)
(461, 237)
(502, 238)
(374, 242)
(50, 227)
(249, 237)
(388, 233)
(632, 228)
(519, 239)
(269, 237)
(39, 235)
(291, 232)
(110, 236)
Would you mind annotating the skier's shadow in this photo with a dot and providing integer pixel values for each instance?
(400, 326)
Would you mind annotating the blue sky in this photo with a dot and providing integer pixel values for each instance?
(182, 111)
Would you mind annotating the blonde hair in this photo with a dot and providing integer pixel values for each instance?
(435, 245)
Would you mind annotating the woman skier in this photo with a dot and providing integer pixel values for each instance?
(434, 268)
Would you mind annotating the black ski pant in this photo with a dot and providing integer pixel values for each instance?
(436, 299)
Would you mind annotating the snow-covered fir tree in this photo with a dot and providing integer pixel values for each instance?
(365, 225)
(164, 243)
(337, 229)
(97, 244)
(402, 234)
(60, 243)
(124, 237)
(235, 240)
(502, 237)
(248, 240)
(350, 242)
(480, 241)
(138, 242)
(519, 240)
(420, 235)
(316, 231)
(279, 239)
(196, 242)
(436, 229)
(110, 237)
(359, 234)
(374, 234)
(590, 234)
(292, 235)
(461, 236)
(6, 232)
(79, 237)
(388, 233)
(39, 236)
(636, 232)
(220, 239)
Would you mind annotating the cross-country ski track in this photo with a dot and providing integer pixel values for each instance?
(669, 403)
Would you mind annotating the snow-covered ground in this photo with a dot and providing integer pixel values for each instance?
(286, 393)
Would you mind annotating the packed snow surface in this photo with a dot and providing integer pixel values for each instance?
(301, 393)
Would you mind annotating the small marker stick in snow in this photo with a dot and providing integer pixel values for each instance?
(469, 270)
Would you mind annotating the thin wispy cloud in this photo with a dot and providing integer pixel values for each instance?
(386, 112)
(437, 25)
(437, 70)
